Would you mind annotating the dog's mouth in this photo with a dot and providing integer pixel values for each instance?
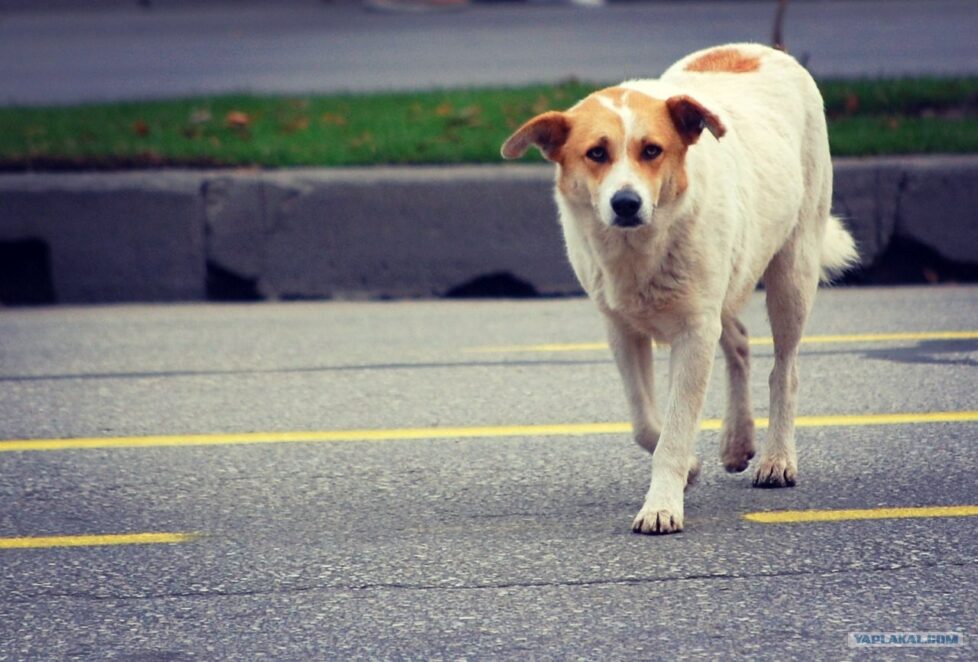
(626, 222)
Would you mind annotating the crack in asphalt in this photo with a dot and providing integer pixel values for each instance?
(298, 370)
(581, 583)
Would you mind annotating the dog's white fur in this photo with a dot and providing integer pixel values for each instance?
(755, 207)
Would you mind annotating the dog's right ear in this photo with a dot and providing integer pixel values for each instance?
(547, 131)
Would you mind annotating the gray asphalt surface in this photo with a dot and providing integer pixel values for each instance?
(293, 47)
(509, 547)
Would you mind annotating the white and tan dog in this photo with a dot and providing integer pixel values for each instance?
(669, 232)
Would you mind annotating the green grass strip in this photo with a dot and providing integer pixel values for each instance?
(880, 136)
(441, 127)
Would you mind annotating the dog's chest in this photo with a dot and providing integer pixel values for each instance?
(648, 291)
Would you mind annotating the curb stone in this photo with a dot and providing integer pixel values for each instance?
(358, 233)
(124, 237)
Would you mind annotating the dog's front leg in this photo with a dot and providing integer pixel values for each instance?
(633, 355)
(673, 463)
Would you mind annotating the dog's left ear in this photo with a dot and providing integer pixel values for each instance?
(691, 117)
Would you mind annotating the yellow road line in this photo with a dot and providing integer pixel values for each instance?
(878, 337)
(807, 340)
(796, 516)
(546, 347)
(487, 432)
(907, 418)
(96, 540)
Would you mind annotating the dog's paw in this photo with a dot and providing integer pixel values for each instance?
(648, 436)
(775, 472)
(735, 463)
(657, 522)
(737, 447)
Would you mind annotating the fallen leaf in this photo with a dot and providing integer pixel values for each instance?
(140, 128)
(444, 109)
(541, 105)
(200, 116)
(296, 124)
(365, 139)
(333, 118)
(237, 119)
(852, 103)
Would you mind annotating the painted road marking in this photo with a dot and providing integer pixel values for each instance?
(405, 434)
(797, 516)
(96, 540)
(807, 340)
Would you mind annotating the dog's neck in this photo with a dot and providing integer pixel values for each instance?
(643, 268)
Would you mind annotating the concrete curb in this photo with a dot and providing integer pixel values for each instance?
(378, 232)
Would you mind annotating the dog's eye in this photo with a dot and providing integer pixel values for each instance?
(597, 154)
(650, 152)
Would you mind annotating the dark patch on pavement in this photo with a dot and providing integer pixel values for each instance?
(25, 273)
(929, 352)
(909, 262)
(499, 285)
(225, 285)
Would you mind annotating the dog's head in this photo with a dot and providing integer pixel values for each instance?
(620, 152)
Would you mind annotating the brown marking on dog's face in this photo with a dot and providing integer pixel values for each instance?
(726, 60)
(619, 141)
(595, 128)
(644, 154)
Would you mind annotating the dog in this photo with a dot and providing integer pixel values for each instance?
(669, 231)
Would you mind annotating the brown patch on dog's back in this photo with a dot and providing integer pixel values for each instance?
(725, 60)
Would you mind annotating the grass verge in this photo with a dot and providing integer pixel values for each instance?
(442, 127)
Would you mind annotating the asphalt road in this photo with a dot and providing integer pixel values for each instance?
(422, 543)
(298, 47)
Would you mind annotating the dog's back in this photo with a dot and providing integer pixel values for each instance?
(775, 151)
(772, 103)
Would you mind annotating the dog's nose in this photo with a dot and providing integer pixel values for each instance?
(626, 203)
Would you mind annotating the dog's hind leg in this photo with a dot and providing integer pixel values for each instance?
(737, 435)
(790, 282)
(633, 355)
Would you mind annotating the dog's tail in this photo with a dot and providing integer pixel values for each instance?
(838, 250)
